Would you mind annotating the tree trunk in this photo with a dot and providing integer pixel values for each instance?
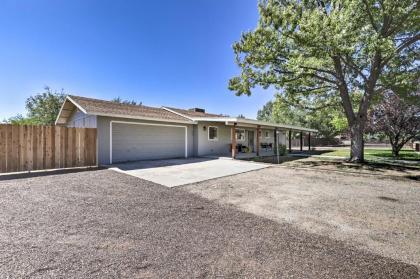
(357, 143)
(395, 151)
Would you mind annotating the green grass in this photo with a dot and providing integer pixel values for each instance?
(374, 154)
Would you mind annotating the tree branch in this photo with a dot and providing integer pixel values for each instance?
(372, 21)
(402, 46)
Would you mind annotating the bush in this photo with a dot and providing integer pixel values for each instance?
(282, 150)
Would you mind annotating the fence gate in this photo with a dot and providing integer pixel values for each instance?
(26, 148)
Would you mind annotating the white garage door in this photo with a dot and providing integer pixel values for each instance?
(133, 142)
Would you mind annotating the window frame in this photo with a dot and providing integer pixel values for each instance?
(208, 133)
(236, 134)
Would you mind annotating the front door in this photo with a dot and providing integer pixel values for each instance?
(251, 141)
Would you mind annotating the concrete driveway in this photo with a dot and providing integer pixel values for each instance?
(176, 172)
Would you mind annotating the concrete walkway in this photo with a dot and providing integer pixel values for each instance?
(176, 172)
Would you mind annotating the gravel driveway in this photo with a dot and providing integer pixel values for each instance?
(103, 224)
(373, 212)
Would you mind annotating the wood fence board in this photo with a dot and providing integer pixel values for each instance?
(25, 148)
(9, 149)
(15, 160)
(29, 148)
(40, 151)
(57, 147)
(64, 141)
(34, 148)
(3, 140)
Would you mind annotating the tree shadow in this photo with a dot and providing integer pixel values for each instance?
(370, 166)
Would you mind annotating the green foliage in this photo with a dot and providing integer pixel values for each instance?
(19, 119)
(279, 111)
(42, 108)
(325, 53)
(339, 122)
(126, 102)
(282, 150)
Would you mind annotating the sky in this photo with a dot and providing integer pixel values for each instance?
(160, 52)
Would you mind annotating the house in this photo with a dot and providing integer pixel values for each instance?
(137, 132)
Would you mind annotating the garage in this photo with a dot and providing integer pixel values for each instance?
(132, 141)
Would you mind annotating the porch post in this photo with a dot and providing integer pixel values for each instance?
(258, 140)
(290, 141)
(301, 140)
(275, 140)
(233, 133)
(309, 141)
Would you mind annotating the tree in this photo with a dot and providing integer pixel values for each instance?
(325, 51)
(397, 119)
(42, 108)
(126, 102)
(279, 111)
(19, 119)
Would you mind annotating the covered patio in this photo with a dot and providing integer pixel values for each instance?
(264, 138)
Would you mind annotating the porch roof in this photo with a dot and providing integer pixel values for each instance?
(254, 123)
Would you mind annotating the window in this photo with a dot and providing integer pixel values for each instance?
(213, 133)
(267, 134)
(240, 134)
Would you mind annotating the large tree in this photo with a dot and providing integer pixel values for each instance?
(398, 119)
(324, 51)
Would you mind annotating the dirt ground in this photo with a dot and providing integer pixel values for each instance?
(411, 171)
(376, 213)
(104, 224)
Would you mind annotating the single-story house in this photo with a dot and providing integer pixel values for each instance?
(137, 132)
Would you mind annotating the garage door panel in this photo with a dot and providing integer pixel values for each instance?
(144, 142)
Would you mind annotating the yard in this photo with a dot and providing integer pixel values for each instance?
(275, 222)
(377, 153)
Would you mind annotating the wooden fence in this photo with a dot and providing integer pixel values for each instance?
(26, 148)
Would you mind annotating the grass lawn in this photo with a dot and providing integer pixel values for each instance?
(374, 154)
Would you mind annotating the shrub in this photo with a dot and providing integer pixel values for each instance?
(282, 150)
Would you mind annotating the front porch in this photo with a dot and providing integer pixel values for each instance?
(249, 141)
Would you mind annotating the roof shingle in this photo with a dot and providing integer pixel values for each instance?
(101, 107)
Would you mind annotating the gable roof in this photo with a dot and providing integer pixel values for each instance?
(108, 108)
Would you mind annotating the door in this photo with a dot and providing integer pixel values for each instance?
(144, 141)
(251, 141)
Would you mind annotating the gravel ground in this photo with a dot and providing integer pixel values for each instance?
(374, 213)
(103, 224)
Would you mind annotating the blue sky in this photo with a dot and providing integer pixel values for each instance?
(174, 53)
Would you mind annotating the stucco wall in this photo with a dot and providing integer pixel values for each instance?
(221, 146)
(103, 124)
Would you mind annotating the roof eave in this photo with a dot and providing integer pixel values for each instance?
(228, 120)
(68, 98)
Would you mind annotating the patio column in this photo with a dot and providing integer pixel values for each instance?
(290, 141)
(258, 140)
(309, 141)
(233, 133)
(301, 140)
(275, 141)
